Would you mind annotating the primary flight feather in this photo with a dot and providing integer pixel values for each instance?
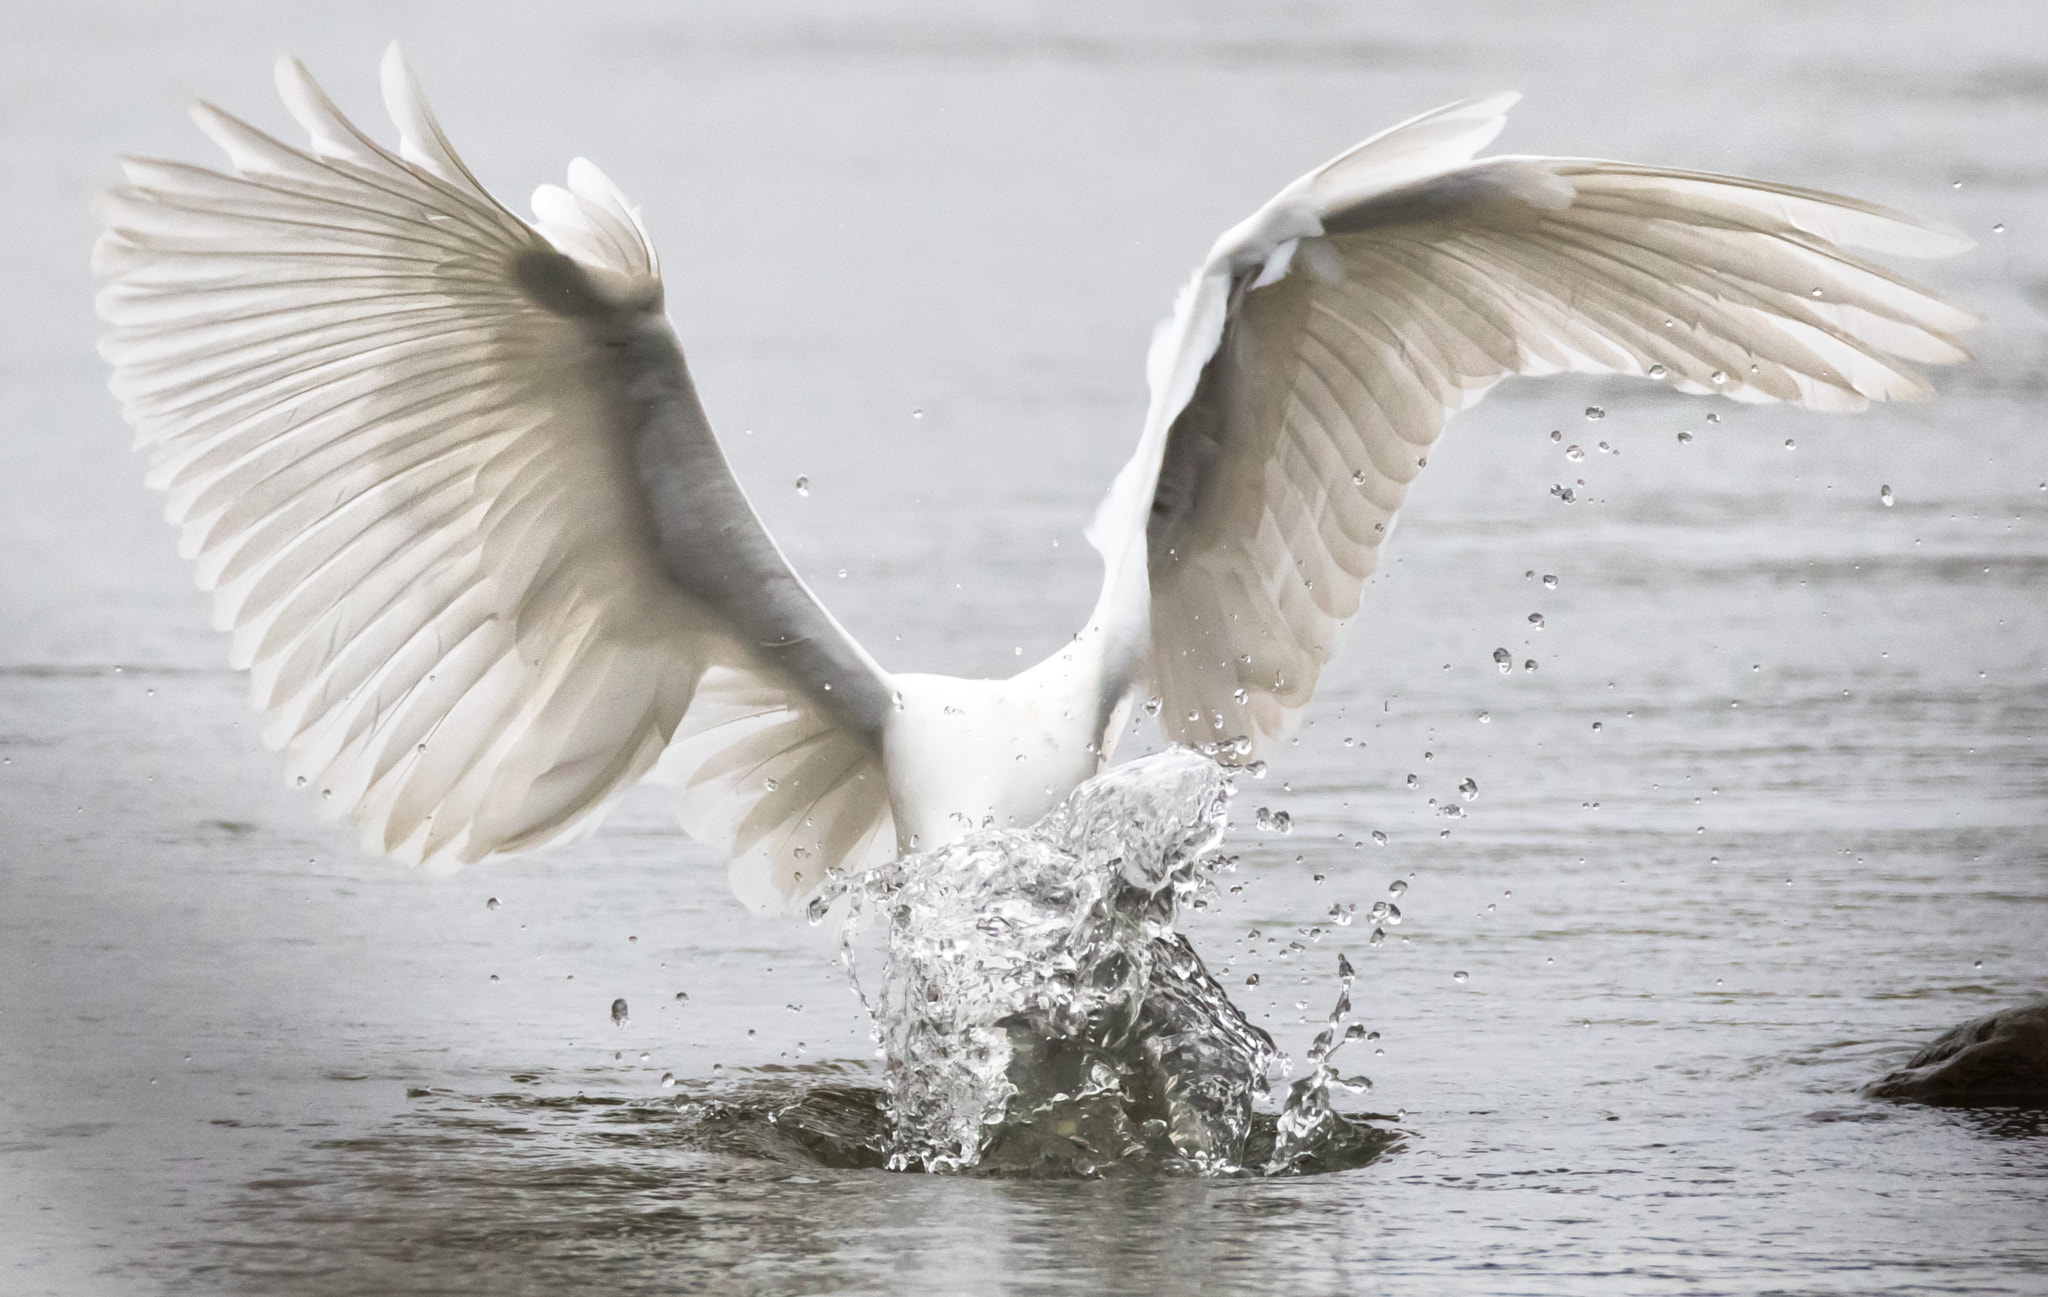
(447, 477)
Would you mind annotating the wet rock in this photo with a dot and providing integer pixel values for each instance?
(1997, 1060)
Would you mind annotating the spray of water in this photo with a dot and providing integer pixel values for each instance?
(1039, 1013)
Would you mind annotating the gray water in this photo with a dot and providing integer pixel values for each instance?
(237, 1056)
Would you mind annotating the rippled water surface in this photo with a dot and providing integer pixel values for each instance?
(1770, 811)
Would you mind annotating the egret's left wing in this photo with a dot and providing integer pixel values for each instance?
(449, 482)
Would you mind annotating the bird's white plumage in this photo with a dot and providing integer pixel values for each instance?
(1302, 403)
(484, 572)
(403, 484)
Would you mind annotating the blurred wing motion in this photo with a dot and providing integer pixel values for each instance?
(449, 482)
(1313, 360)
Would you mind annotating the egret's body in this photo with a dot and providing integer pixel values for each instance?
(448, 476)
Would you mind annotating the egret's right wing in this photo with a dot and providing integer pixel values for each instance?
(449, 482)
(1314, 359)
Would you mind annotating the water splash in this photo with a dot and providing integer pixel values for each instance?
(1040, 1015)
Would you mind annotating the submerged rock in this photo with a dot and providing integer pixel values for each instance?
(2000, 1059)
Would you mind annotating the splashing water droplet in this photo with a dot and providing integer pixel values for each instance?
(618, 1013)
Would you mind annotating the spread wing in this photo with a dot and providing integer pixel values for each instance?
(1314, 358)
(452, 490)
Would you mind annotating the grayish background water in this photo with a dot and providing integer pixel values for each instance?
(1723, 917)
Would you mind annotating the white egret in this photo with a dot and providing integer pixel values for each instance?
(447, 477)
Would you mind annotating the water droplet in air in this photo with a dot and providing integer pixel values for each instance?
(1379, 839)
(492, 904)
(1378, 935)
(1594, 412)
(1469, 789)
(1151, 706)
(1790, 444)
(1344, 969)
(1461, 977)
(300, 781)
(842, 574)
(1529, 665)
(917, 413)
(618, 1013)
(1504, 660)
(668, 1080)
(1358, 477)
(1555, 435)
(896, 700)
(326, 794)
(1574, 453)
(1684, 437)
(771, 784)
(1596, 727)
(1253, 980)
(1413, 781)
(494, 977)
(1536, 620)
(803, 486)
(1658, 371)
(1712, 417)
(1486, 718)
(1719, 377)
(1884, 496)
(1239, 695)
(1998, 228)
(1816, 292)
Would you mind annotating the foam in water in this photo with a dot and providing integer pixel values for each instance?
(1040, 1014)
